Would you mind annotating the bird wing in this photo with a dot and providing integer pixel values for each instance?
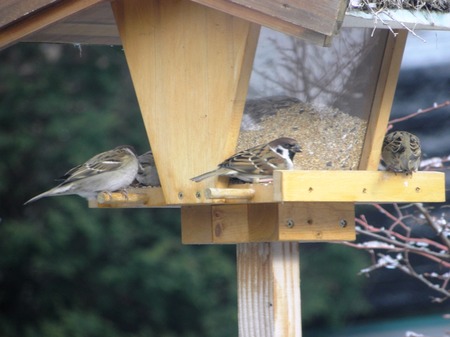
(414, 144)
(256, 161)
(103, 162)
(394, 143)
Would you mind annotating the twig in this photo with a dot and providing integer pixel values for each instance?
(439, 231)
(391, 249)
(401, 246)
(419, 112)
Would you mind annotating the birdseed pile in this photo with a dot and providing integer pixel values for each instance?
(330, 139)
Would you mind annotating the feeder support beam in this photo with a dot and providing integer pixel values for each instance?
(190, 67)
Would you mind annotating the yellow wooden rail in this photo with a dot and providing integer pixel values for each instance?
(301, 186)
(359, 186)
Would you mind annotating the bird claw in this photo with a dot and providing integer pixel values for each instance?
(124, 192)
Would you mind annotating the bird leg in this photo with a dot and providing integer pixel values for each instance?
(124, 192)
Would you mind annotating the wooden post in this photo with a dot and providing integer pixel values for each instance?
(269, 289)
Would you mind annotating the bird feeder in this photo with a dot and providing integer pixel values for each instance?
(190, 62)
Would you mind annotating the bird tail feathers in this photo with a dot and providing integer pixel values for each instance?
(42, 195)
(58, 190)
(217, 172)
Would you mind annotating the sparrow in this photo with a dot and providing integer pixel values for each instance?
(147, 174)
(401, 152)
(106, 172)
(257, 163)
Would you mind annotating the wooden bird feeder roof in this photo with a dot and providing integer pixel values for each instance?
(92, 21)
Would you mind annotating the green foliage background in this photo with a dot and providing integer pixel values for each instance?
(67, 270)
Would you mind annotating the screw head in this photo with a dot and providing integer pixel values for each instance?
(290, 223)
(343, 223)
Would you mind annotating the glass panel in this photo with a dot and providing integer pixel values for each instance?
(320, 96)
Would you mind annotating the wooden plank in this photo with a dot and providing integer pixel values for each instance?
(190, 67)
(341, 11)
(316, 222)
(92, 30)
(326, 186)
(317, 16)
(263, 222)
(230, 224)
(293, 221)
(196, 224)
(13, 10)
(358, 186)
(224, 224)
(41, 19)
(269, 302)
(93, 26)
(90, 33)
(261, 18)
(382, 103)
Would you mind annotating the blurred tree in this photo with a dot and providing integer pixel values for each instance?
(330, 287)
(67, 270)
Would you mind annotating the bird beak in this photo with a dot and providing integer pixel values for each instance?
(297, 148)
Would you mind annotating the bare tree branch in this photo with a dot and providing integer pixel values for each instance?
(419, 112)
(392, 246)
(433, 224)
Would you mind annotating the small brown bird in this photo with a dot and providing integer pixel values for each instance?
(401, 152)
(106, 172)
(257, 163)
(147, 174)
